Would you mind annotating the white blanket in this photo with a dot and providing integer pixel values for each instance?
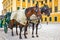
(19, 16)
(34, 19)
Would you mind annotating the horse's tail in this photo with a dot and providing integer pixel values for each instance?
(11, 24)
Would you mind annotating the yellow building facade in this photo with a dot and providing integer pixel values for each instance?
(54, 5)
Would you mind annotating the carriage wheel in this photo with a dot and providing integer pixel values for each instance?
(5, 28)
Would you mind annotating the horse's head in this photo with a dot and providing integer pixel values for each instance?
(33, 10)
(45, 10)
(36, 11)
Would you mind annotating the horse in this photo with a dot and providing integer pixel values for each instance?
(18, 18)
(45, 9)
(36, 13)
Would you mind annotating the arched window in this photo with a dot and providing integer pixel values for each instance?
(42, 19)
(23, 0)
(18, 8)
(18, 0)
(55, 18)
(33, 1)
(28, 1)
(23, 8)
(50, 0)
(51, 10)
(41, 2)
(45, 19)
(37, 2)
(45, 1)
(56, 8)
(50, 19)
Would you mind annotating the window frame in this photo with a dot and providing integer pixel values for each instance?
(50, 0)
(45, 19)
(55, 18)
(41, 2)
(51, 10)
(56, 8)
(33, 1)
(50, 19)
(23, 0)
(28, 1)
(45, 1)
(18, 8)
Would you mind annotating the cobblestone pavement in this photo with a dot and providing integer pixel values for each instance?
(46, 32)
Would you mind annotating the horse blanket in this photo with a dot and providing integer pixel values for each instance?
(19, 16)
(34, 19)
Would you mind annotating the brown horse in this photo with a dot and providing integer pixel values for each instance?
(29, 12)
(38, 13)
(14, 22)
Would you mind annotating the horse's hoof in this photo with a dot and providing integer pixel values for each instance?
(20, 37)
(26, 37)
(37, 36)
(12, 34)
(17, 34)
(32, 36)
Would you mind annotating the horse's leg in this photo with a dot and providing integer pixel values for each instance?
(12, 32)
(33, 30)
(25, 29)
(37, 29)
(12, 29)
(20, 32)
(16, 30)
(11, 25)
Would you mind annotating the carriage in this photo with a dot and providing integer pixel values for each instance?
(6, 21)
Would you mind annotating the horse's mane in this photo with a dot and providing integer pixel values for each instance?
(28, 9)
